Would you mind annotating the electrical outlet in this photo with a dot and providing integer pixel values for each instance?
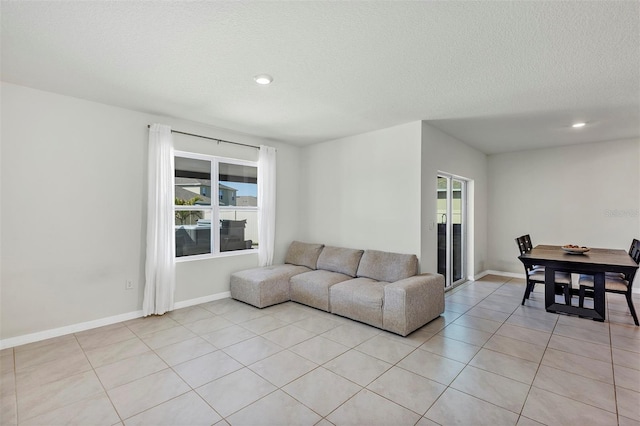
(128, 285)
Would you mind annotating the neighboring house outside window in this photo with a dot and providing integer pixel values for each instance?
(205, 228)
(227, 195)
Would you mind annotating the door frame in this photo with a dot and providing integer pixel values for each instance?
(464, 203)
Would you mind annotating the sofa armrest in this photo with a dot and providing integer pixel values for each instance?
(412, 302)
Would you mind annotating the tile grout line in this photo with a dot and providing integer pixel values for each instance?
(289, 322)
(467, 363)
(495, 333)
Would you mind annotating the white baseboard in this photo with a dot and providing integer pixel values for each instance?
(499, 273)
(200, 300)
(76, 328)
(61, 331)
(635, 290)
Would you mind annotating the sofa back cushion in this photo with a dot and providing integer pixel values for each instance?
(303, 254)
(338, 259)
(385, 266)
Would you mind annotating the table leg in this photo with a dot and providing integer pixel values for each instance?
(549, 288)
(598, 295)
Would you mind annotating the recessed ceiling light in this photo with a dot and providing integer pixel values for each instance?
(263, 79)
(576, 125)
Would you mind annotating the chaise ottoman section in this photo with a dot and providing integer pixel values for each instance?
(266, 286)
(359, 299)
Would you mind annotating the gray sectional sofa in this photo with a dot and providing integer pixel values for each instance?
(374, 287)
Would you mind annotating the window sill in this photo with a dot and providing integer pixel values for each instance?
(215, 256)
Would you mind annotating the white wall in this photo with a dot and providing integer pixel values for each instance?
(364, 191)
(73, 185)
(580, 194)
(444, 153)
(73, 217)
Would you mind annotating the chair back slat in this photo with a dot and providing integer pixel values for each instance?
(634, 250)
(521, 245)
(524, 243)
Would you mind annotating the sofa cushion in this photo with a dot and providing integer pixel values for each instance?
(341, 260)
(385, 266)
(312, 288)
(359, 299)
(303, 254)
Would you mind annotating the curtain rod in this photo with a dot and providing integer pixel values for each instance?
(212, 139)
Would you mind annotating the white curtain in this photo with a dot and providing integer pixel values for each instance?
(160, 264)
(267, 200)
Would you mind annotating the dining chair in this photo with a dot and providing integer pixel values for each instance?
(614, 282)
(620, 274)
(535, 274)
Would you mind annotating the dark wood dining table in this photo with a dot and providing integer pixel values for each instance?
(595, 262)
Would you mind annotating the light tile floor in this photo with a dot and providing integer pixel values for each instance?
(487, 360)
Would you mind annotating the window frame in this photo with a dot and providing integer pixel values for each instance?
(215, 208)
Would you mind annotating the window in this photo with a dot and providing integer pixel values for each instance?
(206, 227)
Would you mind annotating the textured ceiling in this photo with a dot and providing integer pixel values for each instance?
(501, 76)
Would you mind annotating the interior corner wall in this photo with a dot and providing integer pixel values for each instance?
(73, 214)
(363, 191)
(444, 153)
(587, 194)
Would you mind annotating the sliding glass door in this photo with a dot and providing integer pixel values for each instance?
(452, 228)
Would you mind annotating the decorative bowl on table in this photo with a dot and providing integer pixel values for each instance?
(574, 249)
